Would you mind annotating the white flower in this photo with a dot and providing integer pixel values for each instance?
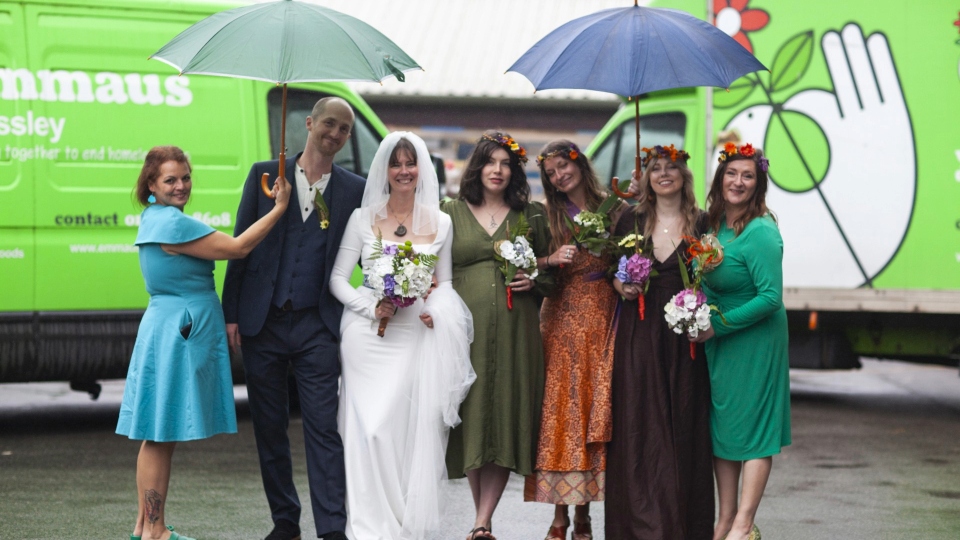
(703, 317)
(693, 332)
(690, 301)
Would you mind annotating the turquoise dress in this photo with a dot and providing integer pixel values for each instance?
(179, 386)
(747, 358)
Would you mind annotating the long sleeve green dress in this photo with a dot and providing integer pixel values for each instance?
(501, 414)
(748, 358)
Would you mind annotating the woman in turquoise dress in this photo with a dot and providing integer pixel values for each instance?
(501, 414)
(746, 348)
(179, 386)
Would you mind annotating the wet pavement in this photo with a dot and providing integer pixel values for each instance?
(875, 455)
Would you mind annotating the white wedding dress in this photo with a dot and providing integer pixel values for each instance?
(399, 394)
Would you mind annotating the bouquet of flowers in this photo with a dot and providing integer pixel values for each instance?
(635, 267)
(688, 311)
(516, 254)
(398, 275)
(592, 229)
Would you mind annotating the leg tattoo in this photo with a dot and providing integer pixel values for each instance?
(152, 501)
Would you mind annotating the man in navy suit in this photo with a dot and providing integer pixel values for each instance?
(279, 311)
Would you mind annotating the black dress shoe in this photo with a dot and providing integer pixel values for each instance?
(284, 530)
(335, 535)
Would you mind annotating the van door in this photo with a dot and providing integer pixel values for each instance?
(17, 249)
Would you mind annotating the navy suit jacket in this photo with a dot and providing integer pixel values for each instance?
(249, 284)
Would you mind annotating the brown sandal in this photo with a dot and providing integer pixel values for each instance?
(582, 531)
(481, 532)
(558, 532)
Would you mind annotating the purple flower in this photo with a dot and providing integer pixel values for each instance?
(390, 249)
(687, 296)
(764, 164)
(635, 269)
(388, 284)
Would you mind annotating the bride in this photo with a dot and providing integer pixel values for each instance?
(399, 394)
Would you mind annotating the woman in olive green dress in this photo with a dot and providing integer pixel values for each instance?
(501, 414)
(747, 348)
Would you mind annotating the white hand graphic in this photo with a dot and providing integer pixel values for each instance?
(871, 179)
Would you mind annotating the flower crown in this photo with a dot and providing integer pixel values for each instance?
(666, 152)
(571, 152)
(747, 150)
(508, 144)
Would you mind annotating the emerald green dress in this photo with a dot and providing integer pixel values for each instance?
(747, 358)
(501, 414)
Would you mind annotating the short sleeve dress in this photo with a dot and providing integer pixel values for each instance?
(748, 357)
(179, 386)
(501, 414)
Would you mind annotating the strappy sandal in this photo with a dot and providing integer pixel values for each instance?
(582, 531)
(558, 532)
(481, 532)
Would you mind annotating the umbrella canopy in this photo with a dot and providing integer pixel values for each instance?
(635, 50)
(286, 42)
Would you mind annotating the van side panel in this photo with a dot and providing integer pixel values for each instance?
(17, 250)
(105, 106)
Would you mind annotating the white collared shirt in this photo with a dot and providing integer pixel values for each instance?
(307, 191)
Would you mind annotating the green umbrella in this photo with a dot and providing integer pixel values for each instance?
(286, 42)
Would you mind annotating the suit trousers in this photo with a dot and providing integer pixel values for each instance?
(298, 340)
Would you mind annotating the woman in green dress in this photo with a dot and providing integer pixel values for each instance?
(747, 348)
(501, 414)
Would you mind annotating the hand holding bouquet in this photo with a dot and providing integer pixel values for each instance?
(398, 275)
(688, 311)
(516, 254)
(635, 267)
(592, 229)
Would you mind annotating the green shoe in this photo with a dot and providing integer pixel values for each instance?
(754, 533)
(175, 536)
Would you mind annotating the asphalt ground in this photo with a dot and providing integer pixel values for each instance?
(876, 455)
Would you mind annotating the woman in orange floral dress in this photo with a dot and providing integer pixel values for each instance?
(577, 324)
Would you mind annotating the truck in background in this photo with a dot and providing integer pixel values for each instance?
(858, 116)
(80, 105)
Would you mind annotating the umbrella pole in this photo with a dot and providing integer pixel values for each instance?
(636, 108)
(265, 179)
(283, 132)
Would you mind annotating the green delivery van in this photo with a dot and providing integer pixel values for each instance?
(80, 105)
(860, 118)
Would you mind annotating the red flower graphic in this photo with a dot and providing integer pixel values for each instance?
(957, 22)
(733, 17)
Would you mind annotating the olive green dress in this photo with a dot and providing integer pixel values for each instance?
(501, 415)
(748, 360)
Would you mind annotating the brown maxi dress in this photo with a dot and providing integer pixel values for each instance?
(577, 324)
(660, 459)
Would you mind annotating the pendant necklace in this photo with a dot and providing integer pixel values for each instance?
(493, 222)
(401, 230)
(666, 229)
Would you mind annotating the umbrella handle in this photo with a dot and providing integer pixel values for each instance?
(265, 185)
(616, 190)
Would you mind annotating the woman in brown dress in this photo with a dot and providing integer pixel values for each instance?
(577, 323)
(660, 481)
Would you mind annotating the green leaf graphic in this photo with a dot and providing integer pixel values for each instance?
(791, 61)
(739, 91)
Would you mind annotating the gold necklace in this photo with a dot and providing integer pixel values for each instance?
(401, 230)
(666, 229)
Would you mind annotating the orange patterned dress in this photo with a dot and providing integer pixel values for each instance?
(578, 329)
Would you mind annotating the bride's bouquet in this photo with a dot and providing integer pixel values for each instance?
(688, 311)
(398, 275)
(516, 254)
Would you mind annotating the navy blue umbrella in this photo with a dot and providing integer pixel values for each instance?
(635, 50)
